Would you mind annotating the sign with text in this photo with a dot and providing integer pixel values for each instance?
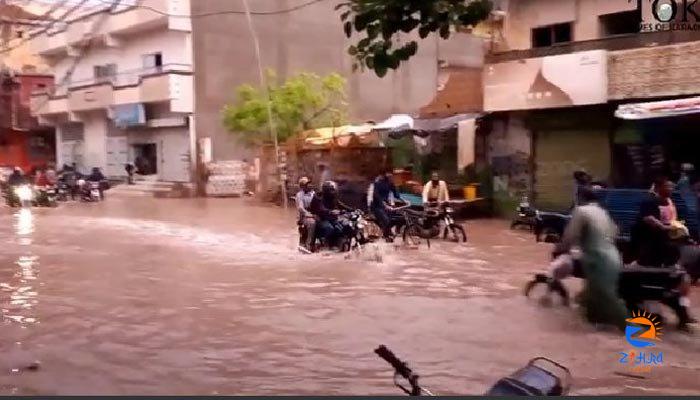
(548, 82)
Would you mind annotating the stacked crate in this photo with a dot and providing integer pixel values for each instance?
(226, 178)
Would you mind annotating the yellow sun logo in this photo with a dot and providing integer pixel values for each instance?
(643, 329)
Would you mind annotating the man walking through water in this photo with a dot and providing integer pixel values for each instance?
(592, 230)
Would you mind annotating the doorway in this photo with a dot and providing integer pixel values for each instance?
(146, 158)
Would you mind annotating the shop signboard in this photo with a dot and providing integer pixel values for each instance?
(548, 82)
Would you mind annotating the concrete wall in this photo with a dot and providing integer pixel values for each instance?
(95, 140)
(172, 44)
(524, 15)
(309, 39)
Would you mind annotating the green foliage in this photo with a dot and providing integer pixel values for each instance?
(302, 102)
(383, 21)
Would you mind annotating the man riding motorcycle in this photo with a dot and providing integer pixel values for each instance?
(17, 178)
(326, 207)
(657, 223)
(307, 220)
(97, 176)
(381, 205)
(435, 191)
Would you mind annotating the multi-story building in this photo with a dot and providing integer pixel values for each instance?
(142, 59)
(123, 90)
(559, 73)
(23, 142)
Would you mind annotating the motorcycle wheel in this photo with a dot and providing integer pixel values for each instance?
(458, 233)
(413, 236)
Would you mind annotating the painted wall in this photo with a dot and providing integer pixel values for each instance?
(309, 39)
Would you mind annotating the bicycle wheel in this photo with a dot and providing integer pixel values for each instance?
(412, 236)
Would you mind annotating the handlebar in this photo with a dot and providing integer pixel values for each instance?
(401, 369)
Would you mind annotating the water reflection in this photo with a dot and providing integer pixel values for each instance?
(23, 297)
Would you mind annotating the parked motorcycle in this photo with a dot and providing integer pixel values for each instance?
(525, 215)
(540, 377)
(19, 196)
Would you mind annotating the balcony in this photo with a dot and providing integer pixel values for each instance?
(170, 83)
(121, 23)
(621, 42)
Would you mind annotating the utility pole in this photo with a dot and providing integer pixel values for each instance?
(264, 85)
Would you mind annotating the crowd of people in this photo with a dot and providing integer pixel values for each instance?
(319, 211)
(48, 176)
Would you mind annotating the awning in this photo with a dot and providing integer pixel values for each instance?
(425, 127)
(659, 109)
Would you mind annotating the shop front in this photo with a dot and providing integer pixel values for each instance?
(546, 125)
(654, 139)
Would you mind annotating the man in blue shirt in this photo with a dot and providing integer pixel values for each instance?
(381, 204)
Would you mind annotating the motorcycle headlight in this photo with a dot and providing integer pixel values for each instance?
(23, 193)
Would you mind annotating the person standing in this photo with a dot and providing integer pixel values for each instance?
(129, 167)
(593, 231)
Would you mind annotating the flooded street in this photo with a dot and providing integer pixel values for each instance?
(145, 296)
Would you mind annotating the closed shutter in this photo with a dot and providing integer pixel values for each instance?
(560, 152)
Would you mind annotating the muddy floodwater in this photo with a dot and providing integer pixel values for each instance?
(145, 296)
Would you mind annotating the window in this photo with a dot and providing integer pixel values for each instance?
(153, 61)
(19, 34)
(551, 34)
(104, 73)
(620, 23)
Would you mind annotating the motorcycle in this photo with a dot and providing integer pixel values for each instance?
(62, 191)
(429, 219)
(19, 196)
(540, 377)
(45, 196)
(526, 215)
(354, 235)
(90, 191)
(669, 286)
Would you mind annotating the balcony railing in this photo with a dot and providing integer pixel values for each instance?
(614, 43)
(119, 80)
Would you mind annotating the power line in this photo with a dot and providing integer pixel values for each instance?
(34, 34)
(223, 12)
(84, 52)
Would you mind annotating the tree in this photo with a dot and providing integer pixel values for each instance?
(383, 21)
(302, 102)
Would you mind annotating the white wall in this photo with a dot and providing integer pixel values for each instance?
(95, 141)
(172, 44)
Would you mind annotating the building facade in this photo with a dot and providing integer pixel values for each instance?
(123, 90)
(555, 79)
(177, 59)
(23, 142)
